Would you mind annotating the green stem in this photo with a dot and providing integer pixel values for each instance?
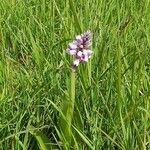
(72, 99)
(67, 110)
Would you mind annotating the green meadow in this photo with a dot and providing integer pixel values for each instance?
(105, 105)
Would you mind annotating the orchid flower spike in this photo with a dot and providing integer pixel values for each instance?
(80, 48)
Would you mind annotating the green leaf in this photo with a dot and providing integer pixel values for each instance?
(43, 142)
(84, 138)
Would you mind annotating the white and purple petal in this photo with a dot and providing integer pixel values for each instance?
(72, 46)
(71, 51)
(84, 58)
(78, 39)
(89, 53)
(85, 52)
(79, 54)
(76, 62)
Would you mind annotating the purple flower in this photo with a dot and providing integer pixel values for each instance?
(81, 48)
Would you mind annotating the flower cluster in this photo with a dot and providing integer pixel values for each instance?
(81, 48)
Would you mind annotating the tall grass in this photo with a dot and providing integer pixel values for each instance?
(112, 100)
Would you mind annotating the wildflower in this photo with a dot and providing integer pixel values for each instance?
(80, 48)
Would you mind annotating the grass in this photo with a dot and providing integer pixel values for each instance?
(112, 105)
